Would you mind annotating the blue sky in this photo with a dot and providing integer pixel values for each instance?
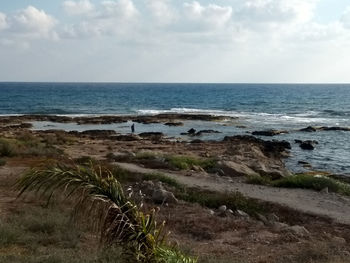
(175, 40)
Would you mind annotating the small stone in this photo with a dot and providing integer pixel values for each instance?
(278, 226)
(211, 212)
(263, 219)
(241, 213)
(229, 211)
(299, 231)
(222, 209)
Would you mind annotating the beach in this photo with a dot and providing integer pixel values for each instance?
(222, 203)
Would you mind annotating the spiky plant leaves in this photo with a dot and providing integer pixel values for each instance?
(99, 196)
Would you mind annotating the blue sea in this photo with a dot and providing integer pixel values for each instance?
(258, 106)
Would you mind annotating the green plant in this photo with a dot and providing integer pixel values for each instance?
(100, 197)
(313, 182)
(259, 180)
(304, 181)
(186, 162)
(6, 148)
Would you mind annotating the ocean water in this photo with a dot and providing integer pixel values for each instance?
(258, 106)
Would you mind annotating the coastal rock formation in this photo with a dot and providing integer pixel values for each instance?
(269, 132)
(232, 169)
(256, 157)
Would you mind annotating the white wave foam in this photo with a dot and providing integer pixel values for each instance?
(306, 117)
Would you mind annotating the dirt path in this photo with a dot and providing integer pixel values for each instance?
(312, 202)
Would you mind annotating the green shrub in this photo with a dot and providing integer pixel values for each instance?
(304, 181)
(313, 182)
(259, 180)
(6, 148)
(186, 162)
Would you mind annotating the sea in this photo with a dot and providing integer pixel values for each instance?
(257, 106)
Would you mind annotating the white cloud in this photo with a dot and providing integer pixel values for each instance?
(162, 11)
(78, 7)
(120, 8)
(3, 21)
(32, 22)
(110, 18)
(213, 16)
(277, 11)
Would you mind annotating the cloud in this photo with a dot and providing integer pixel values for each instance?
(78, 7)
(277, 11)
(162, 11)
(3, 21)
(120, 8)
(32, 22)
(212, 16)
(110, 18)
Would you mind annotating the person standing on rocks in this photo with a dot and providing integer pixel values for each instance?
(133, 128)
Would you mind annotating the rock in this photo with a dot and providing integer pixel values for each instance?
(263, 219)
(307, 146)
(211, 212)
(299, 231)
(298, 141)
(229, 211)
(273, 218)
(161, 196)
(222, 209)
(191, 131)
(335, 128)
(305, 164)
(308, 129)
(196, 140)
(233, 169)
(241, 213)
(278, 226)
(174, 124)
(324, 190)
(197, 168)
(151, 134)
(269, 132)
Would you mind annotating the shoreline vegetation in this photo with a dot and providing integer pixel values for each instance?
(100, 197)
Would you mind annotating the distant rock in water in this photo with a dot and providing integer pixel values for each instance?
(324, 128)
(269, 132)
(192, 132)
(174, 124)
(306, 145)
(308, 129)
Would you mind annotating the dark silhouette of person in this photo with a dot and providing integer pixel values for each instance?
(133, 128)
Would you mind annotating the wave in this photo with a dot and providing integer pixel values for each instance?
(314, 117)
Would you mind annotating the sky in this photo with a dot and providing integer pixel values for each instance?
(223, 41)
